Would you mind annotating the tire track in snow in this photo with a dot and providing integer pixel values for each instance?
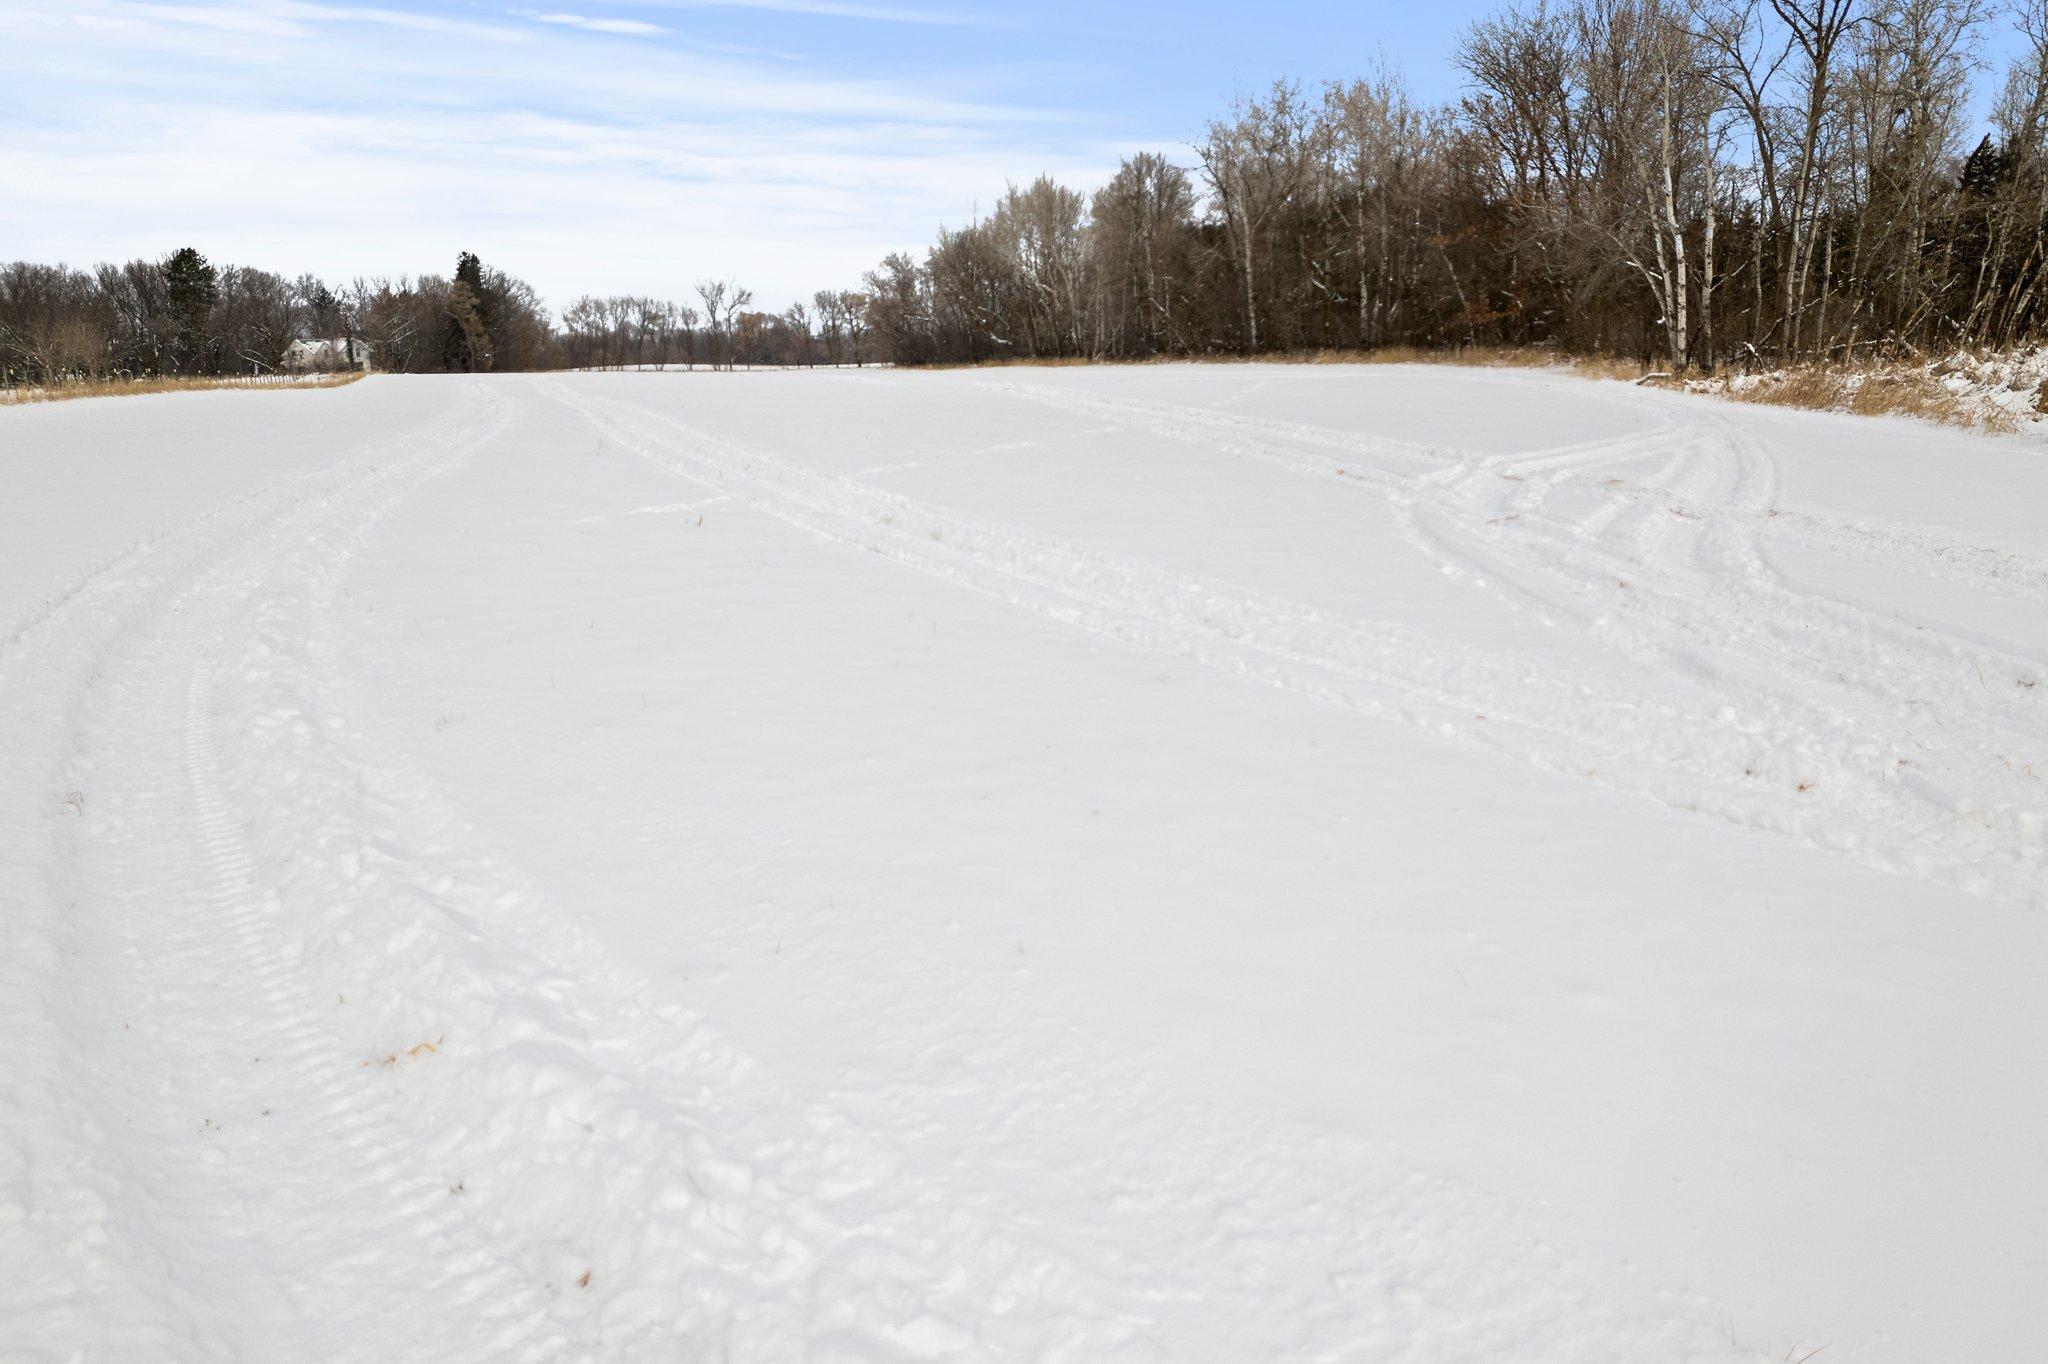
(1397, 1250)
(586, 1130)
(206, 1098)
(108, 576)
(1900, 724)
(1923, 551)
(50, 668)
(1671, 574)
(487, 1146)
(1375, 460)
(1651, 718)
(642, 1173)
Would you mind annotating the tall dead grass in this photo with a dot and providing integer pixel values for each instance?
(112, 388)
(1881, 392)
(1497, 357)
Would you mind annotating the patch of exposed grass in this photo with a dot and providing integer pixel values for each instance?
(112, 388)
(1902, 391)
(1497, 357)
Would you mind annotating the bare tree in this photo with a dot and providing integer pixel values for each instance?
(1255, 160)
(723, 301)
(1143, 220)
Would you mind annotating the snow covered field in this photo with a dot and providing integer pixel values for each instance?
(1196, 863)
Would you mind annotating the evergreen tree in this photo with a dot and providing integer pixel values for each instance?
(468, 344)
(1986, 168)
(191, 288)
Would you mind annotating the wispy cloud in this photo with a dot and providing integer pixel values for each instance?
(282, 18)
(348, 139)
(635, 27)
(837, 9)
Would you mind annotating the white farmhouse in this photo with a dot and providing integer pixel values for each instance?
(309, 357)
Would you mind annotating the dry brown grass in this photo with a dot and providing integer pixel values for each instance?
(1892, 392)
(1502, 357)
(113, 388)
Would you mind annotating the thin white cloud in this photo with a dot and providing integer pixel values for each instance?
(641, 28)
(269, 60)
(390, 18)
(296, 135)
(637, 27)
(836, 9)
(225, 18)
(287, 18)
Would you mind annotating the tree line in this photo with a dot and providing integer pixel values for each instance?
(1693, 182)
(184, 315)
(1685, 181)
(720, 329)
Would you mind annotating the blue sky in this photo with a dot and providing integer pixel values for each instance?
(591, 145)
(605, 146)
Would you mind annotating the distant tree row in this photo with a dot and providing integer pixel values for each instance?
(721, 330)
(1693, 181)
(184, 315)
(1690, 180)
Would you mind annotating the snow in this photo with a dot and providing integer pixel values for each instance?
(1182, 862)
